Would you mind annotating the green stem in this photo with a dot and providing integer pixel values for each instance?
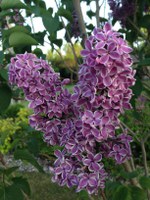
(133, 134)
(145, 164)
(4, 184)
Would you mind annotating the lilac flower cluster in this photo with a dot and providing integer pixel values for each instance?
(83, 124)
(122, 9)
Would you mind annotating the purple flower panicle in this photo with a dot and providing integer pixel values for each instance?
(83, 124)
(122, 9)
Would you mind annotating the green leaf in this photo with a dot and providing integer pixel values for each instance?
(53, 39)
(25, 155)
(33, 146)
(68, 4)
(42, 4)
(11, 193)
(145, 62)
(90, 14)
(137, 193)
(51, 23)
(10, 170)
(22, 184)
(39, 53)
(147, 90)
(1, 57)
(2, 169)
(131, 36)
(5, 97)
(145, 182)
(58, 42)
(129, 175)
(38, 11)
(6, 13)
(2, 192)
(4, 74)
(83, 195)
(111, 187)
(11, 4)
(18, 39)
(39, 37)
(17, 28)
(122, 193)
(65, 13)
(90, 27)
(138, 87)
(145, 21)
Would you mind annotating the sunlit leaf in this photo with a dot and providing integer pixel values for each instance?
(18, 39)
(8, 4)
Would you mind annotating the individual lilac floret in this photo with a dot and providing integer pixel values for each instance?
(92, 161)
(118, 153)
(82, 124)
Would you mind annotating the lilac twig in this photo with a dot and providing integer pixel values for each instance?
(78, 10)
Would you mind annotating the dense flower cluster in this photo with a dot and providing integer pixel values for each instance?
(122, 9)
(82, 123)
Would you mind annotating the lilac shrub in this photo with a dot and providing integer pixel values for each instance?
(83, 123)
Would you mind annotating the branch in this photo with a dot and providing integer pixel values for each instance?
(145, 164)
(78, 10)
(59, 53)
(146, 137)
(138, 30)
(47, 156)
(69, 37)
(103, 195)
(2, 160)
(128, 168)
(144, 157)
(18, 98)
(32, 25)
(132, 162)
(134, 134)
(131, 159)
(97, 13)
(90, 197)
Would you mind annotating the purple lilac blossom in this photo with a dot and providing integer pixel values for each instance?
(83, 124)
(122, 9)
